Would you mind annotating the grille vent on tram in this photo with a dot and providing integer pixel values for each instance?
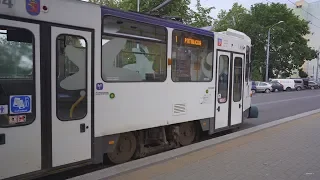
(179, 109)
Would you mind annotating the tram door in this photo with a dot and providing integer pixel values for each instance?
(229, 89)
(237, 89)
(20, 98)
(71, 95)
(222, 90)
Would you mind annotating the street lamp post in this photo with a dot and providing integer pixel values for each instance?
(268, 49)
(317, 71)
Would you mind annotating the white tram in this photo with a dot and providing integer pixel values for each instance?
(80, 82)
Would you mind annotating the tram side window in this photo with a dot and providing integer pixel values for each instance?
(71, 77)
(223, 79)
(237, 82)
(17, 82)
(133, 51)
(192, 57)
(247, 64)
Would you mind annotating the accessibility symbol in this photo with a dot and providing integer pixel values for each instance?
(3, 109)
(20, 104)
(99, 86)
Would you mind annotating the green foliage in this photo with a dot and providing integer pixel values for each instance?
(256, 75)
(302, 74)
(16, 58)
(109, 3)
(231, 19)
(199, 18)
(288, 47)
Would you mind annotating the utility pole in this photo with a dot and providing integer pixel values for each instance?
(138, 10)
(267, 61)
(317, 70)
(268, 49)
(138, 5)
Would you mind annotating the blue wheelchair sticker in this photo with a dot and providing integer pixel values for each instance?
(20, 104)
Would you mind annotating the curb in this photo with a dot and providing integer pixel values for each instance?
(147, 161)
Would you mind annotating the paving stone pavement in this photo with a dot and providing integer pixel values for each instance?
(289, 151)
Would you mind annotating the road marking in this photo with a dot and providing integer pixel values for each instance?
(285, 100)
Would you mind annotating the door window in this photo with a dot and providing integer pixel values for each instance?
(17, 82)
(223, 79)
(71, 77)
(237, 79)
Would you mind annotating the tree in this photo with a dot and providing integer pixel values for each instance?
(288, 47)
(230, 19)
(109, 3)
(16, 58)
(302, 74)
(199, 18)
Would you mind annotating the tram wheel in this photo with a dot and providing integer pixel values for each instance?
(187, 133)
(124, 150)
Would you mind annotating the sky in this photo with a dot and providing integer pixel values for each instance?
(227, 4)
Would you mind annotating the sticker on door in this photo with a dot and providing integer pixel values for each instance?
(13, 120)
(3, 109)
(20, 104)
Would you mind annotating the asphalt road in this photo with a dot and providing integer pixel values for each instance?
(279, 105)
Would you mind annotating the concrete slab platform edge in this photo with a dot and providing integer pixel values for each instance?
(147, 161)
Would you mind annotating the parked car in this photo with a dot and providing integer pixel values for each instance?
(288, 84)
(306, 82)
(276, 86)
(313, 85)
(299, 84)
(263, 87)
(253, 87)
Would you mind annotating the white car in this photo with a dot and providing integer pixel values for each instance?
(288, 84)
(263, 87)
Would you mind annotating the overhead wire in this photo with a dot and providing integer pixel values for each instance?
(310, 22)
(304, 11)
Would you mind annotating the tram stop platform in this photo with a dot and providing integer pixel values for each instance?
(285, 149)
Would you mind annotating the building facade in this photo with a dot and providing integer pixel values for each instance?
(311, 13)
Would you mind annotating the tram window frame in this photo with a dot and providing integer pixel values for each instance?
(209, 49)
(250, 65)
(33, 77)
(239, 93)
(135, 38)
(248, 57)
(57, 66)
(227, 84)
